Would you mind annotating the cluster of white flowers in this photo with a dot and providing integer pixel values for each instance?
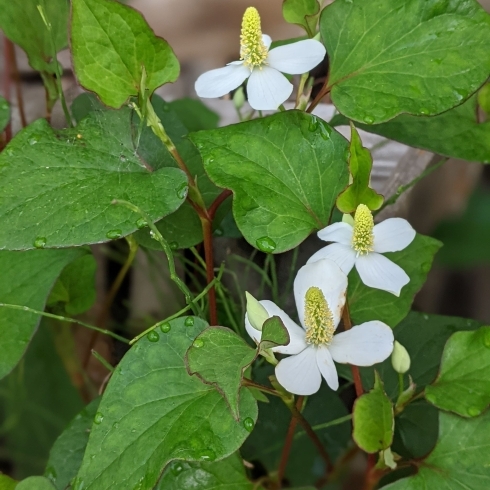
(320, 289)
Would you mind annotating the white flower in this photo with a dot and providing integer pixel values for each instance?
(319, 292)
(267, 87)
(363, 243)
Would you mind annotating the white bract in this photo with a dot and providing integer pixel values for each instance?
(363, 243)
(267, 87)
(319, 292)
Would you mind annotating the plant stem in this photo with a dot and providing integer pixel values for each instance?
(65, 319)
(102, 361)
(355, 370)
(217, 203)
(252, 384)
(207, 232)
(323, 91)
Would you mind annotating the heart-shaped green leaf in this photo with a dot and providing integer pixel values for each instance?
(57, 187)
(153, 412)
(388, 57)
(304, 13)
(463, 385)
(285, 171)
(274, 333)
(111, 43)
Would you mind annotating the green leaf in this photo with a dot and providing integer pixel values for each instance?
(75, 288)
(110, 45)
(219, 357)
(27, 278)
(4, 113)
(226, 474)
(366, 304)
(35, 483)
(463, 385)
(373, 419)
(193, 114)
(285, 171)
(153, 412)
(484, 98)
(66, 454)
(37, 400)
(360, 166)
(6, 483)
(389, 57)
(460, 459)
(22, 23)
(304, 13)
(274, 333)
(455, 133)
(57, 187)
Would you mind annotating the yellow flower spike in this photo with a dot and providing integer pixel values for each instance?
(253, 51)
(363, 237)
(318, 318)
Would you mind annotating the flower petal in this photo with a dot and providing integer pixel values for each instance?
(378, 272)
(338, 232)
(267, 89)
(343, 255)
(297, 58)
(327, 367)
(219, 82)
(363, 345)
(300, 374)
(392, 235)
(266, 40)
(327, 276)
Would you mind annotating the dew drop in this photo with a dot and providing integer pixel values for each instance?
(313, 126)
(165, 327)
(33, 140)
(474, 411)
(141, 223)
(207, 161)
(218, 232)
(425, 316)
(177, 469)
(40, 242)
(50, 473)
(153, 336)
(368, 119)
(182, 191)
(115, 425)
(99, 417)
(424, 111)
(9, 152)
(114, 234)
(266, 244)
(248, 423)
(198, 343)
(122, 158)
(189, 321)
(174, 245)
(325, 131)
(207, 455)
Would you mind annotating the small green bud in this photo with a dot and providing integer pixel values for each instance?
(400, 359)
(347, 218)
(239, 98)
(256, 313)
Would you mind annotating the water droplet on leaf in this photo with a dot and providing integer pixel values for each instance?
(165, 327)
(174, 245)
(424, 111)
(473, 411)
(40, 242)
(99, 417)
(248, 423)
(368, 119)
(325, 131)
(115, 425)
(313, 126)
(177, 469)
(189, 321)
(141, 223)
(153, 336)
(266, 244)
(198, 343)
(182, 191)
(33, 139)
(207, 455)
(114, 234)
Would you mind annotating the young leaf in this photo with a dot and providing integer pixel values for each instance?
(194, 114)
(455, 133)
(27, 278)
(228, 473)
(57, 187)
(110, 45)
(459, 460)
(360, 166)
(366, 304)
(153, 412)
(4, 113)
(304, 13)
(285, 171)
(373, 419)
(463, 385)
(35, 483)
(388, 57)
(66, 454)
(219, 357)
(274, 333)
(23, 24)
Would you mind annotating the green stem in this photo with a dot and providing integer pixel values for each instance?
(65, 319)
(400, 384)
(275, 286)
(183, 310)
(326, 425)
(102, 361)
(166, 248)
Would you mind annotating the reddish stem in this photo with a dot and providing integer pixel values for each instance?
(323, 91)
(217, 203)
(207, 231)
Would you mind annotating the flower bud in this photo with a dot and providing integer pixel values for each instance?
(256, 313)
(239, 98)
(400, 359)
